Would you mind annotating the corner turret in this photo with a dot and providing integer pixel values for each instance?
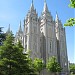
(8, 31)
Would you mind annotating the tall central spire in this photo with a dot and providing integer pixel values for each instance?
(45, 6)
(32, 6)
(32, 1)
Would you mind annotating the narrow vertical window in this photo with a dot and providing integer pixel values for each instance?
(50, 47)
(26, 39)
(25, 47)
(26, 29)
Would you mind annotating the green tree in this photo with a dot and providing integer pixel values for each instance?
(52, 65)
(38, 65)
(2, 36)
(72, 4)
(72, 68)
(71, 21)
(12, 59)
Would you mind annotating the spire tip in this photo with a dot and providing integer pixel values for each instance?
(45, 1)
(56, 13)
(32, 1)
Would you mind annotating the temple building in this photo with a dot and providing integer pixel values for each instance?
(43, 36)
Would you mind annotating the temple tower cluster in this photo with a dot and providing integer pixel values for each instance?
(43, 36)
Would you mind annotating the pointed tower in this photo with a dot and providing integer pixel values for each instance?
(56, 17)
(61, 44)
(24, 35)
(45, 6)
(8, 31)
(58, 26)
(47, 28)
(20, 28)
(19, 34)
(32, 6)
(32, 32)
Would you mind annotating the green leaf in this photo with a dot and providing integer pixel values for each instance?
(12, 59)
(52, 65)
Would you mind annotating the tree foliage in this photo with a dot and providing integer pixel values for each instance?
(72, 4)
(53, 65)
(38, 65)
(2, 36)
(71, 21)
(12, 59)
(72, 67)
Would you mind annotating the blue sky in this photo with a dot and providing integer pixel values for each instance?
(12, 11)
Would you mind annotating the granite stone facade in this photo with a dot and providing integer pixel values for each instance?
(43, 36)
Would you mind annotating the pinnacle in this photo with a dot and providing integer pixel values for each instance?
(57, 15)
(8, 31)
(32, 1)
(44, 1)
(20, 29)
(45, 6)
(9, 28)
(32, 6)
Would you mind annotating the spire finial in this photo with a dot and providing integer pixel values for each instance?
(32, 1)
(56, 13)
(45, 6)
(44, 1)
(24, 21)
(9, 28)
(8, 31)
(20, 29)
(32, 6)
(57, 16)
(20, 23)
